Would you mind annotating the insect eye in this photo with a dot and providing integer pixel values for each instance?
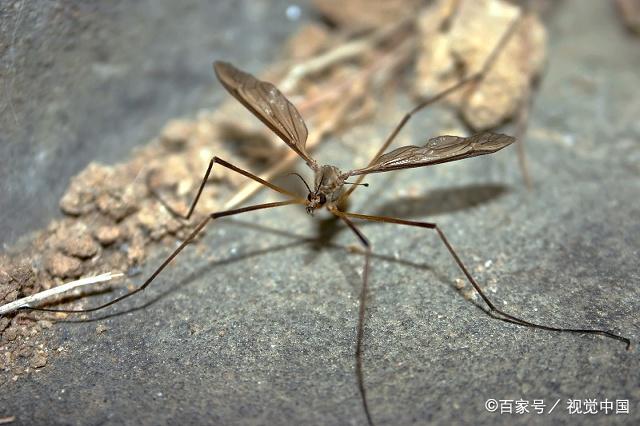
(309, 197)
(323, 199)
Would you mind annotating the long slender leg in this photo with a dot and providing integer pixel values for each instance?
(223, 163)
(196, 231)
(493, 311)
(527, 101)
(472, 79)
(521, 130)
(361, 311)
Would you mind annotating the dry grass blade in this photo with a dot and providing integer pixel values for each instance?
(44, 296)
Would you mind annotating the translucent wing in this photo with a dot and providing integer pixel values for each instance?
(437, 150)
(267, 103)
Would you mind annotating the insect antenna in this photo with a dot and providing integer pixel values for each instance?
(301, 178)
(356, 183)
(321, 180)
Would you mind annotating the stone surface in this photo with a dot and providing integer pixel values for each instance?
(255, 324)
(83, 81)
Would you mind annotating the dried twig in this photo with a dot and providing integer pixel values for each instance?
(44, 295)
(340, 53)
(521, 131)
(379, 66)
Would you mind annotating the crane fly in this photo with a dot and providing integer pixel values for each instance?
(329, 189)
(266, 102)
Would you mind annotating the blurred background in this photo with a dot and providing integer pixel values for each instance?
(85, 81)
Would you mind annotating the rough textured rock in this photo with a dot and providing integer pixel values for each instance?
(461, 49)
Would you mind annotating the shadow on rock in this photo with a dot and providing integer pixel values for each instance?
(441, 201)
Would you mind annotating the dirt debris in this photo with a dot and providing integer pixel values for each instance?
(21, 343)
(15, 279)
(108, 234)
(447, 53)
(77, 241)
(63, 266)
(176, 134)
(358, 15)
(629, 12)
(79, 198)
(38, 360)
(308, 41)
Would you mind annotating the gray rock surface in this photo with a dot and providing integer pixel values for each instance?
(81, 81)
(259, 328)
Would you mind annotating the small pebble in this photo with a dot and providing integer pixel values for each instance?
(135, 254)
(25, 352)
(107, 235)
(76, 203)
(45, 324)
(10, 334)
(4, 323)
(82, 246)
(148, 217)
(63, 266)
(38, 360)
(293, 12)
(115, 207)
(176, 133)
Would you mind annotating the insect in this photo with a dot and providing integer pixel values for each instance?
(330, 188)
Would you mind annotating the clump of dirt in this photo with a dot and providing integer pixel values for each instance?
(308, 41)
(113, 220)
(22, 347)
(629, 12)
(365, 14)
(450, 49)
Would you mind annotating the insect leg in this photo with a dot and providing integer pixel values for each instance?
(472, 79)
(223, 163)
(196, 231)
(493, 310)
(521, 129)
(362, 310)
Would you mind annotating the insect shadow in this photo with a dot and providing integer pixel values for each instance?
(433, 203)
(442, 201)
(298, 240)
(186, 280)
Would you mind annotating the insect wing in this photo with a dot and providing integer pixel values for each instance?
(437, 150)
(267, 103)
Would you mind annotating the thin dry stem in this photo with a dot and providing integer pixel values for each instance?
(42, 296)
(340, 53)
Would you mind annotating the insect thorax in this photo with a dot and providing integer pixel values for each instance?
(328, 181)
